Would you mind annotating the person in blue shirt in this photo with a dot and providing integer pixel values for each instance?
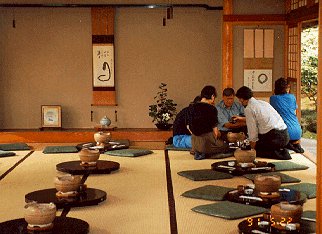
(231, 116)
(285, 104)
(181, 133)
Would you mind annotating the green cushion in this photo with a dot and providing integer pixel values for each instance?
(309, 215)
(288, 166)
(208, 192)
(172, 147)
(6, 153)
(307, 188)
(129, 152)
(284, 178)
(14, 146)
(204, 174)
(229, 210)
(60, 149)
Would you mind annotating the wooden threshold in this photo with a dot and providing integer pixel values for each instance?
(82, 135)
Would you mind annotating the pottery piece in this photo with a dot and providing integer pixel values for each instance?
(267, 183)
(40, 214)
(102, 138)
(105, 121)
(234, 137)
(284, 213)
(89, 155)
(67, 183)
(245, 156)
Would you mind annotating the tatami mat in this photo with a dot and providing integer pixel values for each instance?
(137, 198)
(191, 222)
(7, 162)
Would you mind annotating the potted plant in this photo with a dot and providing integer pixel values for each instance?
(164, 111)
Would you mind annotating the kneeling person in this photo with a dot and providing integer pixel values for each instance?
(205, 134)
(266, 129)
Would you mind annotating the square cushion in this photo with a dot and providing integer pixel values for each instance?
(284, 178)
(307, 188)
(6, 153)
(129, 152)
(14, 146)
(288, 166)
(204, 174)
(229, 210)
(172, 147)
(60, 149)
(208, 192)
(309, 215)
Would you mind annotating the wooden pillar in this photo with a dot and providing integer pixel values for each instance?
(319, 132)
(227, 47)
(103, 34)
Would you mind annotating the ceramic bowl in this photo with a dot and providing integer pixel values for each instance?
(267, 183)
(89, 155)
(286, 213)
(245, 156)
(39, 213)
(67, 183)
(102, 138)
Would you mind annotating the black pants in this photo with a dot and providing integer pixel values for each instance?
(273, 144)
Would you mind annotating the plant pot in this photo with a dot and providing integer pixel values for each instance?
(163, 126)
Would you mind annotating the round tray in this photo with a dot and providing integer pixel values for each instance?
(291, 196)
(249, 225)
(75, 168)
(62, 225)
(260, 167)
(89, 197)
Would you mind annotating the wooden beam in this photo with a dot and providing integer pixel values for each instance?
(303, 14)
(319, 132)
(84, 135)
(227, 48)
(252, 18)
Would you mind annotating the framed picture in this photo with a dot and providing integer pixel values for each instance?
(103, 65)
(50, 116)
(259, 80)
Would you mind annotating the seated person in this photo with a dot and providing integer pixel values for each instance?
(230, 115)
(181, 133)
(285, 104)
(205, 134)
(266, 129)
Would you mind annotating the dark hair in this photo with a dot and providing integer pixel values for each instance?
(244, 93)
(197, 99)
(208, 91)
(281, 86)
(228, 92)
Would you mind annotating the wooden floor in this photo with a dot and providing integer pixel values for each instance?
(139, 137)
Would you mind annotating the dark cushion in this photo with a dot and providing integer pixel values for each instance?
(172, 147)
(14, 146)
(229, 210)
(60, 149)
(288, 166)
(6, 153)
(284, 178)
(204, 174)
(307, 188)
(114, 145)
(129, 152)
(309, 215)
(208, 192)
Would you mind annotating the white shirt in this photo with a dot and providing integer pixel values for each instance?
(261, 117)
